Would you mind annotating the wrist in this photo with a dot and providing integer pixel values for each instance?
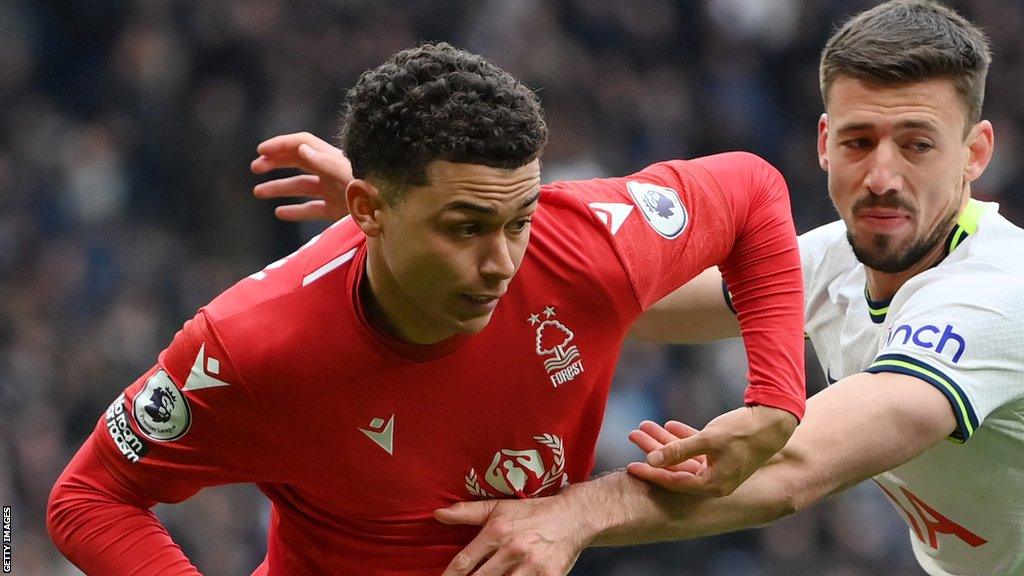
(776, 424)
(618, 509)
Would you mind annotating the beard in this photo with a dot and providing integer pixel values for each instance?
(879, 252)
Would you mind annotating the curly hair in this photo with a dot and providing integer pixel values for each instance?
(437, 102)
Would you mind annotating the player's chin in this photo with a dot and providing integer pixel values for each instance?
(471, 322)
(475, 324)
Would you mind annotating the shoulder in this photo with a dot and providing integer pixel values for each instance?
(669, 197)
(997, 243)
(826, 242)
(825, 256)
(325, 253)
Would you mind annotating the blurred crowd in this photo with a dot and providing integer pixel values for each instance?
(126, 129)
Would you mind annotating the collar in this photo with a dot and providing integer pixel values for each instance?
(966, 225)
(385, 343)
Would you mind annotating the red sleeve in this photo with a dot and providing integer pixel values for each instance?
(185, 424)
(104, 528)
(764, 277)
(672, 220)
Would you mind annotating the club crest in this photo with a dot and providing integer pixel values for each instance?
(554, 340)
(522, 473)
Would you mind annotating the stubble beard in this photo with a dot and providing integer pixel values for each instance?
(878, 252)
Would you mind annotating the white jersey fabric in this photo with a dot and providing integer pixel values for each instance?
(960, 327)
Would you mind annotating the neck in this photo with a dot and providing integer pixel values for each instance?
(387, 307)
(883, 286)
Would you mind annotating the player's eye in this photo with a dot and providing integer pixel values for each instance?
(467, 230)
(857, 143)
(518, 226)
(919, 146)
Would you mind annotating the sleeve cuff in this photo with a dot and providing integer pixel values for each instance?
(966, 419)
(763, 396)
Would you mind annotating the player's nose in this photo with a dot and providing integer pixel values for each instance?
(497, 261)
(884, 174)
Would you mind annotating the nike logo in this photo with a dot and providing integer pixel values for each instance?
(381, 433)
(200, 377)
(829, 378)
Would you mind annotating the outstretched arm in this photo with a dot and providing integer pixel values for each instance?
(855, 429)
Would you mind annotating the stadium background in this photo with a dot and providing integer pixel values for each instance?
(126, 129)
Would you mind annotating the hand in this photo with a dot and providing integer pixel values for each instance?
(328, 174)
(734, 445)
(531, 537)
(652, 436)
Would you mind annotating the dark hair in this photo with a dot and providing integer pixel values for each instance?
(436, 102)
(906, 41)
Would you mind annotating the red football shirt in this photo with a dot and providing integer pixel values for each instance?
(357, 438)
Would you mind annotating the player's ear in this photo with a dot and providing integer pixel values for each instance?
(364, 204)
(980, 144)
(823, 141)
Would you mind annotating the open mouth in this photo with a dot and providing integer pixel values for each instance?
(481, 301)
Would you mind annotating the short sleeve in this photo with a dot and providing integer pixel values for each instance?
(814, 248)
(962, 334)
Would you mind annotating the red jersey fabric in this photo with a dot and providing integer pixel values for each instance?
(356, 438)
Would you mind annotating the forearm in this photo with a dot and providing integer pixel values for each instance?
(629, 511)
(102, 531)
(765, 279)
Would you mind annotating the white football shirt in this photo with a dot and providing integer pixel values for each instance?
(960, 327)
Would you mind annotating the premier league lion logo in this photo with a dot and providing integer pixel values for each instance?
(161, 403)
(161, 410)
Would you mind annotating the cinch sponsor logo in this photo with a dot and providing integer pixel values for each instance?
(942, 340)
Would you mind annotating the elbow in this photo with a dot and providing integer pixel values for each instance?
(56, 516)
(798, 493)
(794, 490)
(59, 515)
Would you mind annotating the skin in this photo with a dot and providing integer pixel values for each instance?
(900, 168)
(899, 171)
(519, 537)
(441, 259)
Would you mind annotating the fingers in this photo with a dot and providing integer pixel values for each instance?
(469, 557)
(680, 430)
(304, 151)
(307, 211)
(293, 187)
(658, 432)
(285, 143)
(676, 481)
(646, 442)
(680, 450)
(499, 565)
(466, 512)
